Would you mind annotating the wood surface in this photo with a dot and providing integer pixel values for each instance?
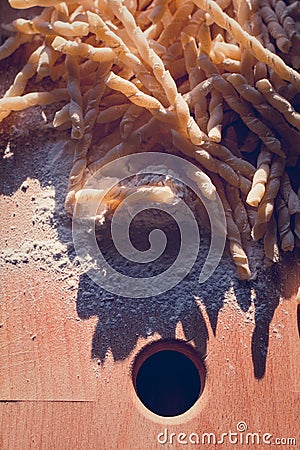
(54, 396)
(58, 392)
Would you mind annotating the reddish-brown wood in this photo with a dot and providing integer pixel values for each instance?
(66, 400)
(55, 396)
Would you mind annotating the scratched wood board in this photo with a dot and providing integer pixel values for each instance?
(56, 392)
(117, 419)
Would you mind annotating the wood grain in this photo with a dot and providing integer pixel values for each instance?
(56, 365)
(63, 388)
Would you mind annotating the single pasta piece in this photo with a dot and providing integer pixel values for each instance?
(279, 102)
(271, 241)
(233, 235)
(112, 113)
(204, 183)
(159, 8)
(240, 214)
(297, 220)
(134, 94)
(200, 90)
(55, 27)
(83, 50)
(130, 116)
(18, 103)
(214, 125)
(260, 178)
(205, 38)
(47, 59)
(179, 20)
(266, 207)
(62, 116)
(284, 225)
(23, 4)
(75, 108)
(12, 44)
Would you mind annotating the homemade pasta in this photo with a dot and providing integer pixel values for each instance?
(216, 81)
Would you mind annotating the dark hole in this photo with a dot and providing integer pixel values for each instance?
(168, 383)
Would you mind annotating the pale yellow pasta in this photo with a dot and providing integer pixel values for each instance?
(62, 116)
(130, 116)
(205, 38)
(83, 50)
(260, 178)
(81, 148)
(209, 162)
(253, 44)
(186, 121)
(159, 8)
(112, 113)
(12, 43)
(228, 50)
(239, 213)
(279, 102)
(133, 93)
(215, 108)
(204, 183)
(233, 235)
(18, 103)
(266, 207)
(201, 78)
(197, 98)
(45, 62)
(23, 4)
(75, 107)
(179, 20)
(21, 79)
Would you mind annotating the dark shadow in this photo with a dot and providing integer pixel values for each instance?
(31, 148)
(122, 320)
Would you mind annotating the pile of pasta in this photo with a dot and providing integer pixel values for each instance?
(215, 81)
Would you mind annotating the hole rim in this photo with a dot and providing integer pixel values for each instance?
(184, 347)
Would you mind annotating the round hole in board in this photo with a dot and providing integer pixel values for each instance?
(168, 377)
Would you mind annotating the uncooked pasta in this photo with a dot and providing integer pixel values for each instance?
(216, 81)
